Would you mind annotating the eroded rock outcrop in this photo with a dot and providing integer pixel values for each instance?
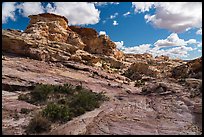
(49, 38)
(138, 69)
(97, 44)
(191, 69)
(54, 28)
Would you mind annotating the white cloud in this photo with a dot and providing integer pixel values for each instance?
(199, 32)
(171, 40)
(199, 44)
(191, 41)
(179, 51)
(78, 13)
(176, 52)
(114, 15)
(199, 50)
(102, 33)
(174, 40)
(135, 49)
(177, 48)
(174, 16)
(115, 23)
(126, 14)
(30, 8)
(119, 45)
(138, 49)
(142, 6)
(8, 11)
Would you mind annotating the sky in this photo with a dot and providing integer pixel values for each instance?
(160, 28)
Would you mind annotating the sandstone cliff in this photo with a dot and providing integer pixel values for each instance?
(147, 95)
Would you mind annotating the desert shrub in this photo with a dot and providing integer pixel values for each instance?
(38, 124)
(85, 101)
(63, 102)
(80, 87)
(66, 88)
(57, 112)
(40, 92)
(25, 111)
(139, 83)
(24, 97)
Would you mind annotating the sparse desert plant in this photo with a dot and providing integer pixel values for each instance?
(38, 124)
(24, 97)
(25, 111)
(40, 92)
(85, 101)
(139, 83)
(57, 112)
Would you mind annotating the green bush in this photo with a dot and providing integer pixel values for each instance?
(139, 83)
(85, 101)
(63, 102)
(66, 88)
(38, 124)
(24, 97)
(41, 92)
(25, 111)
(57, 112)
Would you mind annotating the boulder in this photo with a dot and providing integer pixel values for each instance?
(137, 70)
(192, 68)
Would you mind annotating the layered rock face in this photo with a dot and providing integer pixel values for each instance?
(138, 69)
(191, 69)
(97, 44)
(54, 28)
(48, 37)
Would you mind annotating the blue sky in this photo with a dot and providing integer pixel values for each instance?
(173, 29)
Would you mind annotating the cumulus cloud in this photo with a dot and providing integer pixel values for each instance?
(126, 14)
(176, 16)
(102, 33)
(199, 32)
(142, 6)
(30, 8)
(119, 45)
(179, 51)
(176, 52)
(199, 44)
(199, 50)
(171, 40)
(177, 48)
(144, 48)
(115, 23)
(174, 40)
(114, 15)
(8, 11)
(78, 13)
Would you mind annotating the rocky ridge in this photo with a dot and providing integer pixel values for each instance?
(147, 95)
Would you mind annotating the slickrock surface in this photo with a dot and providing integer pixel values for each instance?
(147, 95)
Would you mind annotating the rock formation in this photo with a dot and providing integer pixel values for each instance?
(190, 69)
(48, 37)
(147, 95)
(51, 27)
(97, 44)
